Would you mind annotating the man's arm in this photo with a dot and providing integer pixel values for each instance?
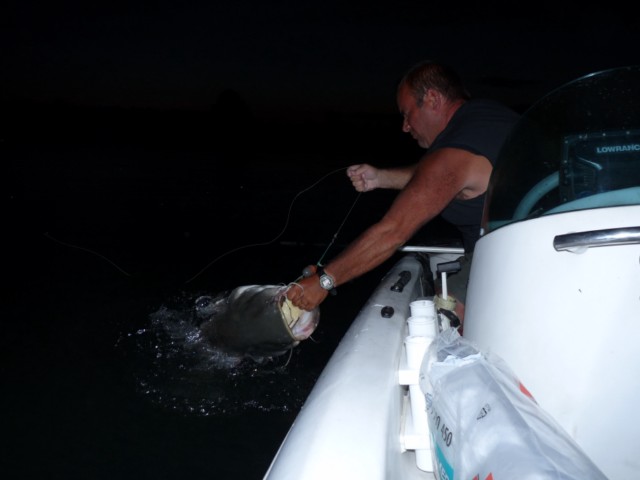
(367, 177)
(439, 177)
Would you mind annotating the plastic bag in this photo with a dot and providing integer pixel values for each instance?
(485, 425)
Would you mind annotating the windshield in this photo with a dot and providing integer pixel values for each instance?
(577, 148)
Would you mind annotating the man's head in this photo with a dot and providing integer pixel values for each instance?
(430, 75)
(427, 97)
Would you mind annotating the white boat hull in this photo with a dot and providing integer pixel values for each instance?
(569, 328)
(352, 422)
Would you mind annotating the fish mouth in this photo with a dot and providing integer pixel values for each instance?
(301, 323)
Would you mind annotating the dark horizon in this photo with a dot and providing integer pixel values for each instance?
(231, 121)
(296, 59)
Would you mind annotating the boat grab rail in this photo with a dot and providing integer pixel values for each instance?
(431, 249)
(579, 242)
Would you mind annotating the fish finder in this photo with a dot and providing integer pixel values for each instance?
(598, 162)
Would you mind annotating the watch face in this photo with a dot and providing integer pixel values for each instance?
(326, 282)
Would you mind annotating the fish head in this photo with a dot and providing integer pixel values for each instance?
(255, 320)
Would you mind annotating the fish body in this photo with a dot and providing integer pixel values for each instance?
(255, 320)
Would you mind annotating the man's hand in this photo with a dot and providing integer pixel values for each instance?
(364, 177)
(307, 294)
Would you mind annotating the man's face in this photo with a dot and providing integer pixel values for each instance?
(417, 120)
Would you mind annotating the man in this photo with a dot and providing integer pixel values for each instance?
(463, 138)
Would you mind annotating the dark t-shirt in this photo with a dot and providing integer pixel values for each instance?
(480, 127)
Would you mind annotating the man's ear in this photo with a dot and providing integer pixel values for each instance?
(432, 99)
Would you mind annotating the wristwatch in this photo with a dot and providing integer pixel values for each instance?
(326, 281)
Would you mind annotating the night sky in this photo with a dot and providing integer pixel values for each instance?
(244, 87)
(295, 56)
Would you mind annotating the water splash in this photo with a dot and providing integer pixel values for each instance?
(176, 368)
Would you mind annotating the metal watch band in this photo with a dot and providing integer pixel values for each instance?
(321, 273)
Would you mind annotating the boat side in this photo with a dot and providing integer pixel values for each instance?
(566, 321)
(350, 425)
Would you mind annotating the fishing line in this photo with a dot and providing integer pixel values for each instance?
(46, 234)
(335, 235)
(285, 226)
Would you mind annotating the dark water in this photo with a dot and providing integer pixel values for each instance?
(110, 236)
(108, 247)
(94, 388)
